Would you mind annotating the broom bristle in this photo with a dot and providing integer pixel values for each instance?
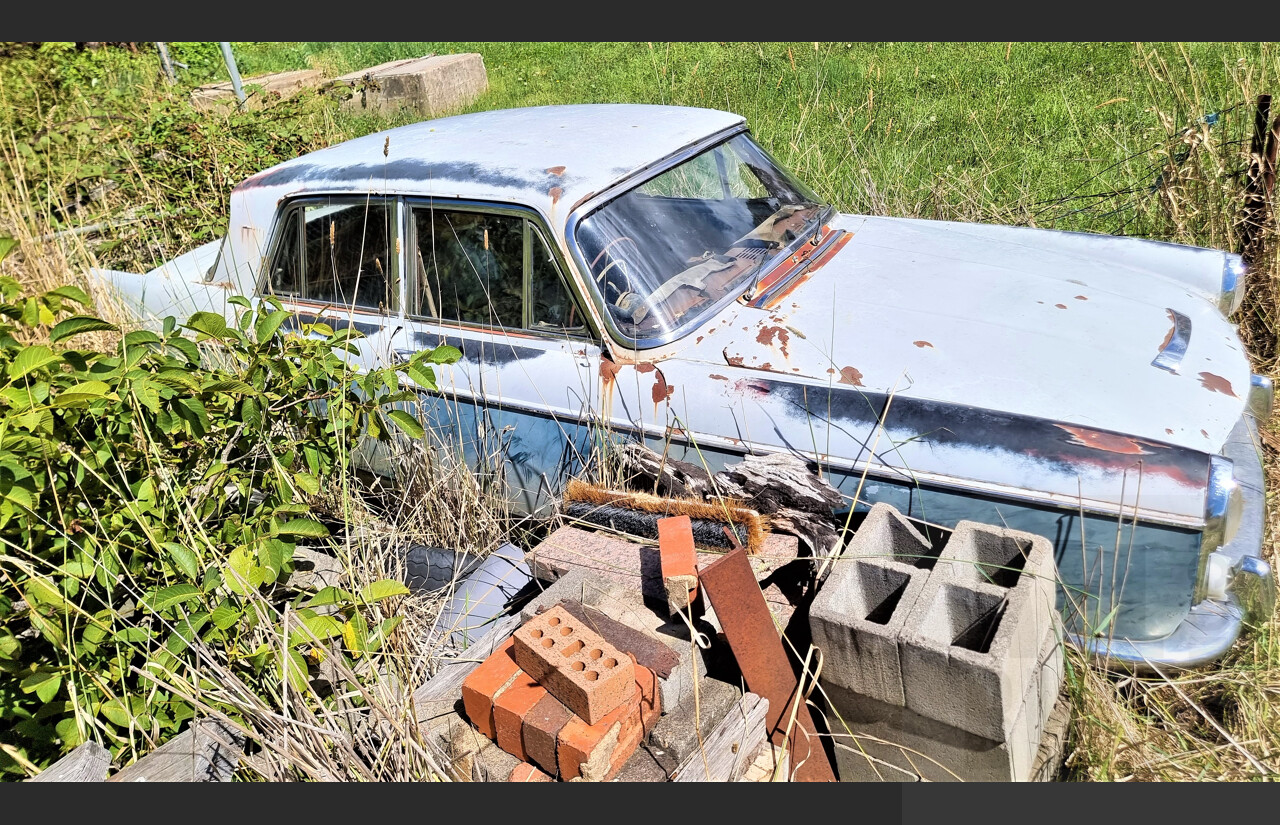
(728, 512)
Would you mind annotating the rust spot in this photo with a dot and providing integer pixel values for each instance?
(661, 392)
(699, 341)
(766, 366)
(1061, 306)
(1168, 431)
(731, 360)
(849, 375)
(1216, 383)
(555, 194)
(830, 371)
(718, 377)
(1081, 298)
(556, 170)
(1203, 433)
(1039, 302)
(608, 370)
(1107, 442)
(923, 344)
(767, 335)
(795, 369)
(645, 367)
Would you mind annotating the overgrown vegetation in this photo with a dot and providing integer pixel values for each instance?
(1141, 139)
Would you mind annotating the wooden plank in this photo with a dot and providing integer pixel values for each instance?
(208, 751)
(731, 747)
(87, 763)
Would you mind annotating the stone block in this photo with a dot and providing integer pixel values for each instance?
(432, 85)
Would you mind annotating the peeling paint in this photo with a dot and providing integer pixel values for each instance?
(767, 335)
(1173, 319)
(732, 360)
(1203, 433)
(923, 344)
(1081, 298)
(698, 340)
(645, 367)
(1216, 383)
(556, 170)
(555, 192)
(1168, 431)
(1107, 442)
(661, 390)
(608, 370)
(1061, 306)
(849, 375)
(718, 377)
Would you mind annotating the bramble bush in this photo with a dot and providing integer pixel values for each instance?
(151, 499)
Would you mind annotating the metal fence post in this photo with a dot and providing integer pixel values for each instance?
(231, 69)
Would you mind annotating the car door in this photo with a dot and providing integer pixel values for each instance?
(485, 280)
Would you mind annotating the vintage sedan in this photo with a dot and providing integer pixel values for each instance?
(650, 272)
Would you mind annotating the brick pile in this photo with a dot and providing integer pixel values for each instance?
(562, 700)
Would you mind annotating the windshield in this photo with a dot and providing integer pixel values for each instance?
(673, 247)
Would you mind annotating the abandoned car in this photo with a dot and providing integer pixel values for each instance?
(652, 271)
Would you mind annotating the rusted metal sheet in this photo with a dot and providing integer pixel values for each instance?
(740, 606)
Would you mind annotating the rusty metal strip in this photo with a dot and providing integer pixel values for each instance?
(740, 606)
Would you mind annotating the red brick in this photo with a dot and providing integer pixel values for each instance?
(541, 728)
(524, 772)
(487, 682)
(597, 752)
(574, 663)
(678, 561)
(509, 710)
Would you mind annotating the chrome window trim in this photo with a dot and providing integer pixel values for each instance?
(1261, 397)
(593, 202)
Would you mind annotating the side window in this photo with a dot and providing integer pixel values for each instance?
(338, 254)
(470, 266)
(553, 307)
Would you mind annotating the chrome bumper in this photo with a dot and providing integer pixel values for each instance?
(1247, 591)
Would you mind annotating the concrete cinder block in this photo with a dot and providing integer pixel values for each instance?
(970, 647)
(862, 607)
(285, 84)
(675, 736)
(431, 85)
(883, 742)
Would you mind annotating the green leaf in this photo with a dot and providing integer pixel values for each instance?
(77, 324)
(116, 713)
(267, 326)
(184, 559)
(306, 482)
(167, 597)
(82, 393)
(7, 245)
(224, 615)
(328, 595)
(44, 685)
(294, 667)
(68, 732)
(208, 323)
(72, 293)
(141, 337)
(424, 376)
(239, 577)
(318, 628)
(305, 527)
(132, 635)
(444, 354)
(230, 385)
(32, 359)
(383, 589)
(355, 633)
(407, 422)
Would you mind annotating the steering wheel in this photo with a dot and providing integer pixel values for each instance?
(615, 261)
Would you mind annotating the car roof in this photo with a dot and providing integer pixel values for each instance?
(547, 157)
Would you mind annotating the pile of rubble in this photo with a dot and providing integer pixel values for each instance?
(893, 657)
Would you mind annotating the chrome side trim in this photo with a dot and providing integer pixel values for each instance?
(1233, 283)
(1170, 355)
(1222, 510)
(1207, 633)
(1261, 398)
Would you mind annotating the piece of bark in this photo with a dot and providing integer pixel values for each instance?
(87, 763)
(731, 747)
(208, 751)
(778, 481)
(651, 472)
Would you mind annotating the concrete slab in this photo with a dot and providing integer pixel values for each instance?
(431, 85)
(285, 84)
